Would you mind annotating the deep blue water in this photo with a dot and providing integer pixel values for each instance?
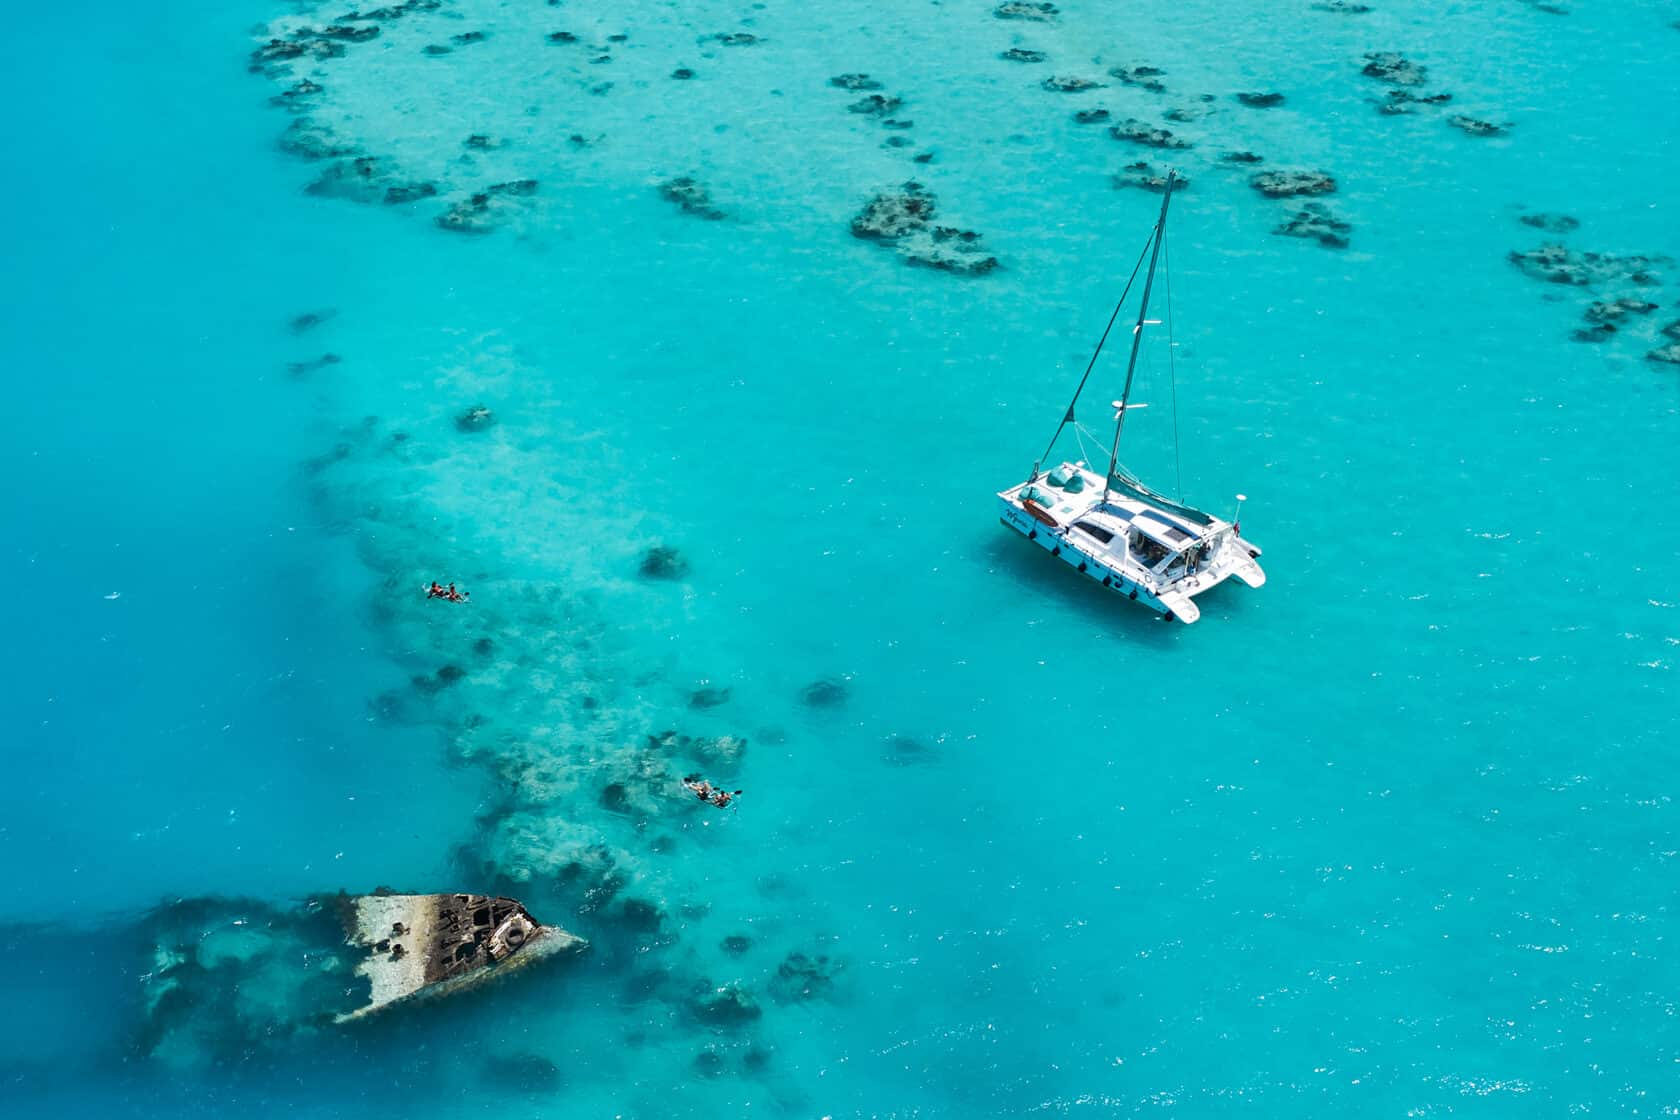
(1393, 834)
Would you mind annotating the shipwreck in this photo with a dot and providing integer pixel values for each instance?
(223, 977)
(426, 945)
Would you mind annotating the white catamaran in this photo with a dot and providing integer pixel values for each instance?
(1110, 526)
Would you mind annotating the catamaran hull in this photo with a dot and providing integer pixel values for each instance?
(1171, 605)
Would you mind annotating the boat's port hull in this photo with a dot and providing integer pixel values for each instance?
(1056, 543)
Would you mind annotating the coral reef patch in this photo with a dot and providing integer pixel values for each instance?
(1135, 131)
(903, 219)
(1288, 184)
(693, 198)
(1396, 69)
(1315, 222)
(1144, 176)
(1043, 12)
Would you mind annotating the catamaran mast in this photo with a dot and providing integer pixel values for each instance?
(1137, 333)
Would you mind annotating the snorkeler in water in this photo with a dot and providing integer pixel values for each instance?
(706, 791)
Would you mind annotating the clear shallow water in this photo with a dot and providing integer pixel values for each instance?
(1393, 834)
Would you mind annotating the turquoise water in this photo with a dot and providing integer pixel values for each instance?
(1392, 835)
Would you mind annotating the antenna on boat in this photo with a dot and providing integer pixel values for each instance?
(1236, 518)
(1137, 331)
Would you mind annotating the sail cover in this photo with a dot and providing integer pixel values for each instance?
(1125, 483)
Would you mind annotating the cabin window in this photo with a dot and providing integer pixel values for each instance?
(1150, 551)
(1096, 531)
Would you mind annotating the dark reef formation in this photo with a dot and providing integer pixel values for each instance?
(663, 562)
(1395, 69)
(488, 209)
(1477, 127)
(1020, 9)
(277, 51)
(308, 140)
(1615, 310)
(1241, 158)
(1022, 54)
(805, 976)
(1604, 317)
(1288, 184)
(1067, 84)
(895, 214)
(309, 320)
(369, 179)
(1144, 176)
(1090, 116)
(876, 105)
(1315, 222)
(1551, 223)
(298, 96)
(708, 696)
(904, 750)
(1559, 264)
(1342, 7)
(1399, 102)
(830, 692)
(1260, 100)
(858, 83)
(730, 1006)
(1135, 131)
(313, 365)
(1144, 77)
(903, 219)
(691, 196)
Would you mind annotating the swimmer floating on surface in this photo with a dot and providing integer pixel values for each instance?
(438, 591)
(706, 791)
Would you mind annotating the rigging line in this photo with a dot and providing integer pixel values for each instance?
(1172, 369)
(1080, 434)
(1137, 331)
(1079, 441)
(1089, 366)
